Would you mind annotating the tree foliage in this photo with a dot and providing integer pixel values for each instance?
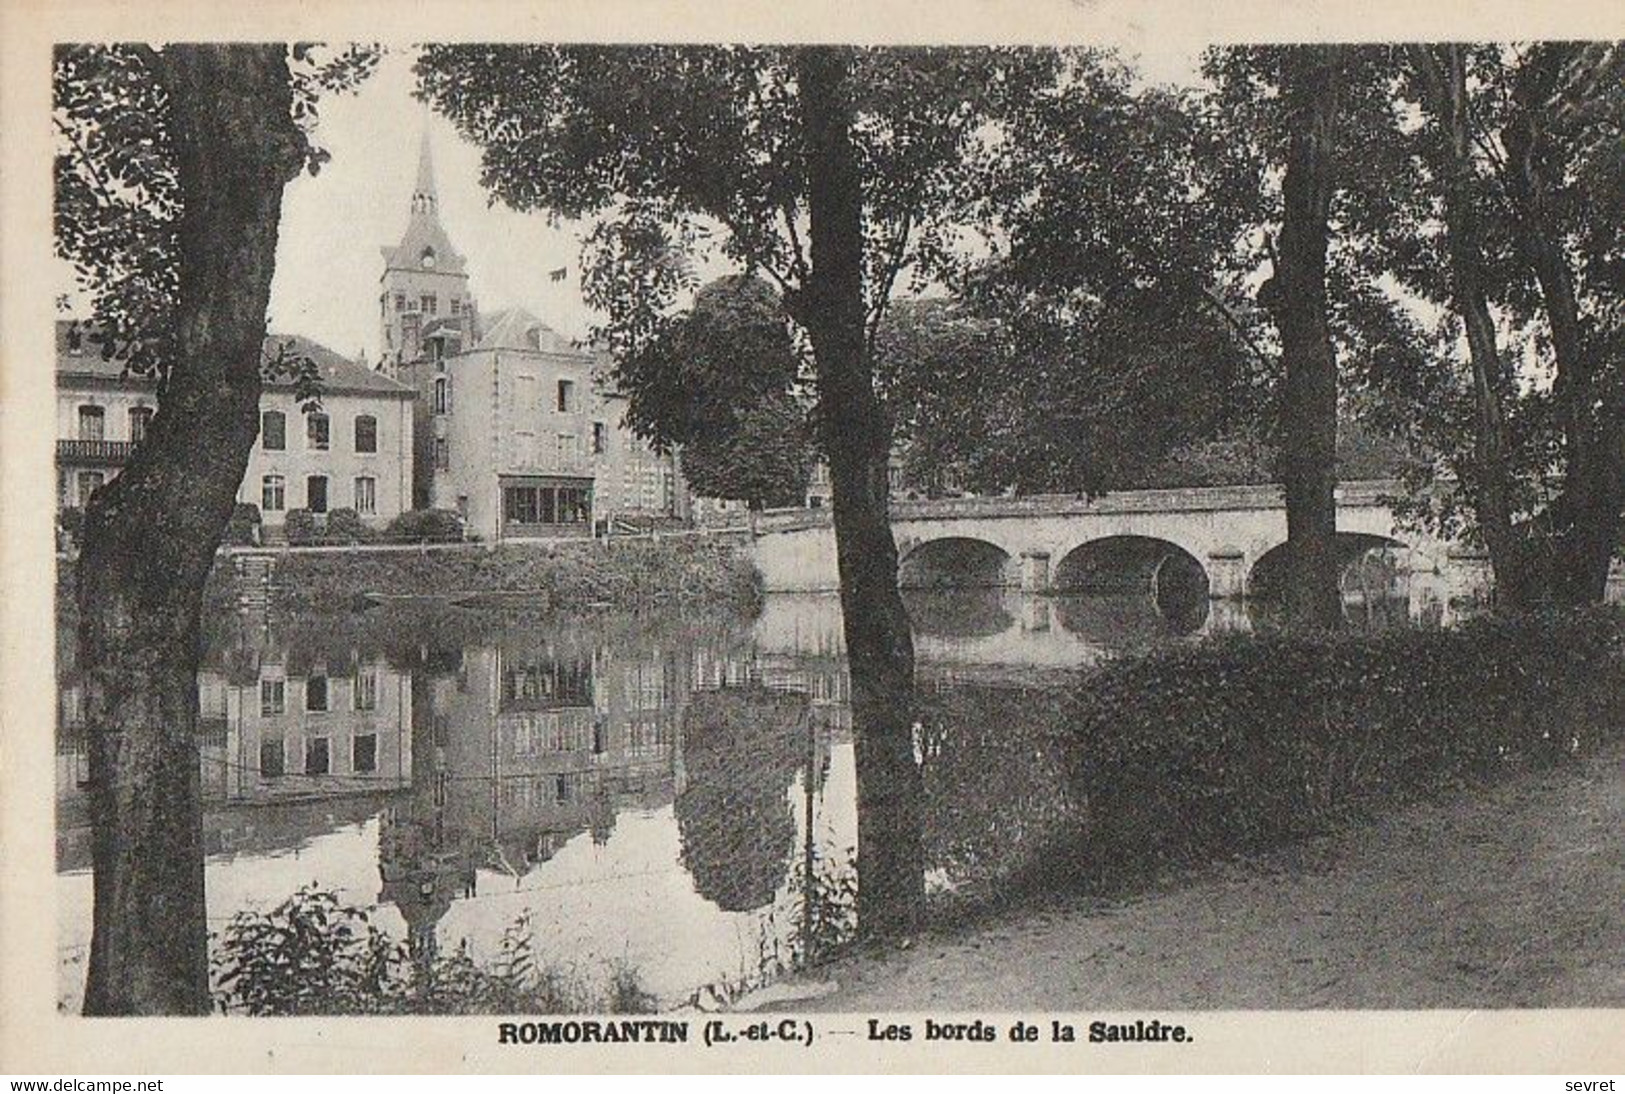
(716, 381)
(117, 198)
(684, 150)
(1109, 324)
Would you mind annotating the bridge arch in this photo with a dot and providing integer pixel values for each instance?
(1373, 575)
(1136, 565)
(956, 562)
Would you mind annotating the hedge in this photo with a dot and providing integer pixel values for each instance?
(1245, 741)
(425, 525)
(299, 525)
(242, 529)
(345, 526)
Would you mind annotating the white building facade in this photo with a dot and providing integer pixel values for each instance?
(354, 450)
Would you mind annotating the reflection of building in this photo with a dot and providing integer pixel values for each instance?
(355, 451)
(295, 745)
(525, 747)
(515, 427)
(334, 729)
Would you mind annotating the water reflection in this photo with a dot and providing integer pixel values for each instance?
(681, 794)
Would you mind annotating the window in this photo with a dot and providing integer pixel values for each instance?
(366, 496)
(273, 431)
(426, 260)
(525, 452)
(317, 759)
(442, 454)
(456, 306)
(316, 432)
(316, 493)
(91, 423)
(428, 304)
(271, 758)
(366, 690)
(89, 483)
(519, 505)
(273, 698)
(569, 449)
(273, 493)
(567, 392)
(400, 301)
(366, 433)
(442, 395)
(316, 693)
(140, 420)
(600, 438)
(364, 754)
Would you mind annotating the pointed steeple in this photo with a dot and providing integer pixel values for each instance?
(424, 199)
(425, 246)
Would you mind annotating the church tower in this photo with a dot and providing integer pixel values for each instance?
(423, 302)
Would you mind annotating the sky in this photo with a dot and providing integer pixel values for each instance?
(334, 223)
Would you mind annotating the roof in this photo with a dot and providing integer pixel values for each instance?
(516, 328)
(336, 372)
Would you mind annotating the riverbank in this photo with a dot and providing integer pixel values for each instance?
(561, 576)
(1503, 896)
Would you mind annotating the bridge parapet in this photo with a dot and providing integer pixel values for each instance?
(1191, 499)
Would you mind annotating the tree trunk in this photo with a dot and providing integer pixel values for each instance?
(1444, 75)
(151, 535)
(880, 650)
(1583, 524)
(1297, 297)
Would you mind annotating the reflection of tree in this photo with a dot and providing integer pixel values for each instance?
(1114, 620)
(961, 613)
(741, 748)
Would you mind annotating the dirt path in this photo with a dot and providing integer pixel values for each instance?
(1514, 897)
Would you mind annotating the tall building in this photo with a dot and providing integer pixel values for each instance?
(517, 428)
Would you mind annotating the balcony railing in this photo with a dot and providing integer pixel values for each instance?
(105, 452)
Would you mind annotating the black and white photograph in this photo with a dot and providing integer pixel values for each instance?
(621, 539)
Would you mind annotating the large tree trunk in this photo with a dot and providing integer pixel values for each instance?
(151, 535)
(1297, 297)
(880, 650)
(1583, 524)
(1444, 76)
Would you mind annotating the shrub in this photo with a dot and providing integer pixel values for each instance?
(70, 524)
(300, 526)
(345, 526)
(426, 525)
(1247, 740)
(314, 955)
(242, 530)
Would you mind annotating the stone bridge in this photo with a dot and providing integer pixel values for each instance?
(1219, 542)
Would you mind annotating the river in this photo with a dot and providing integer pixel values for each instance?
(657, 792)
